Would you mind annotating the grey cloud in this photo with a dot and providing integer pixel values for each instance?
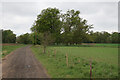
(104, 16)
(19, 16)
(19, 8)
(59, 0)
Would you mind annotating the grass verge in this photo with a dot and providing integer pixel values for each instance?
(6, 49)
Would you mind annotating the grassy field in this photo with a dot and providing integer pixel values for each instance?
(108, 45)
(94, 45)
(6, 49)
(104, 61)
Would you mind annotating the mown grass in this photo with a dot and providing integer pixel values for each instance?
(6, 49)
(91, 45)
(108, 45)
(104, 61)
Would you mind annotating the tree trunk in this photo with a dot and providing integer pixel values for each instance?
(44, 49)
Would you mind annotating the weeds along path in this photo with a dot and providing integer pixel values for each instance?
(22, 64)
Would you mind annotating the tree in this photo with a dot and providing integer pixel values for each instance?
(24, 39)
(35, 38)
(46, 39)
(8, 36)
(75, 28)
(48, 24)
(115, 37)
(105, 37)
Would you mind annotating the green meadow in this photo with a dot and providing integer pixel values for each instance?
(74, 62)
(6, 49)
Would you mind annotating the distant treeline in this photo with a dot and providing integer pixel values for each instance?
(97, 37)
(94, 37)
(54, 27)
(8, 36)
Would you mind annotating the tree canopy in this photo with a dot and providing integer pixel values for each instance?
(25, 39)
(54, 27)
(8, 36)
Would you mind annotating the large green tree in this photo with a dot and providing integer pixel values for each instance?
(48, 24)
(75, 28)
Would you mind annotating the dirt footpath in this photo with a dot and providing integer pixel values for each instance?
(22, 64)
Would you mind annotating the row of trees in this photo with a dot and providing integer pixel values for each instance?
(52, 26)
(34, 38)
(104, 37)
(25, 39)
(93, 37)
(68, 28)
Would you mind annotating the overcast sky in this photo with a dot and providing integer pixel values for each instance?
(19, 16)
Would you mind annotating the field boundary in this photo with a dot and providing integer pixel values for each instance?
(44, 69)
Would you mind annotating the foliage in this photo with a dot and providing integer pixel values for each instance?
(35, 38)
(74, 27)
(69, 28)
(25, 39)
(115, 37)
(104, 37)
(8, 36)
(48, 24)
(61, 29)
